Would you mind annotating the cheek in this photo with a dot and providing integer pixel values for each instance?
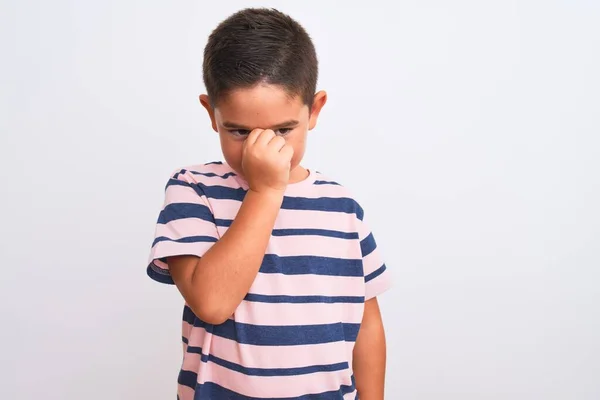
(299, 146)
(232, 151)
(298, 152)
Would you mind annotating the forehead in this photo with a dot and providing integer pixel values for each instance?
(261, 106)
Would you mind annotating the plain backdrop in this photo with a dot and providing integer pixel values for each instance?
(468, 130)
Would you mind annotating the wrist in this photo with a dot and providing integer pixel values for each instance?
(267, 196)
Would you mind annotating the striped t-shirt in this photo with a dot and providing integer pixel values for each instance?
(292, 336)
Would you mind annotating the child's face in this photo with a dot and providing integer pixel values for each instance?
(262, 107)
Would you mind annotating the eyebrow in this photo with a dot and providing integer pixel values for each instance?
(233, 125)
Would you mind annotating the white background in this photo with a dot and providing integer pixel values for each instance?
(468, 130)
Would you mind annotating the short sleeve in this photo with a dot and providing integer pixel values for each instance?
(185, 226)
(377, 277)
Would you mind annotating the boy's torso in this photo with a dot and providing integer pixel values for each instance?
(294, 333)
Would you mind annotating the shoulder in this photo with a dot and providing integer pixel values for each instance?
(197, 173)
(211, 180)
(205, 175)
(327, 183)
(330, 188)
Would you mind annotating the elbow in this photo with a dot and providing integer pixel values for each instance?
(213, 314)
(206, 305)
(215, 318)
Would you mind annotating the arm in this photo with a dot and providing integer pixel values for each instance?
(369, 355)
(215, 284)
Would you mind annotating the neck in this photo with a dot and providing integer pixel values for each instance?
(298, 174)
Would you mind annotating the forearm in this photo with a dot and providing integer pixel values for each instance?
(369, 358)
(219, 281)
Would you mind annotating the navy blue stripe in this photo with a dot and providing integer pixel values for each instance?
(299, 232)
(197, 350)
(188, 239)
(351, 332)
(375, 273)
(267, 371)
(263, 335)
(302, 265)
(315, 232)
(176, 175)
(223, 222)
(221, 192)
(212, 174)
(326, 204)
(184, 340)
(212, 391)
(177, 211)
(296, 265)
(152, 272)
(360, 213)
(326, 183)
(367, 245)
(176, 182)
(188, 378)
(215, 163)
(279, 371)
(262, 298)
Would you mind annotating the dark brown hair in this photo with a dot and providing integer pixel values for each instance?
(259, 45)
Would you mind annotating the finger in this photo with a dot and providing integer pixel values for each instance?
(277, 143)
(287, 152)
(253, 136)
(265, 137)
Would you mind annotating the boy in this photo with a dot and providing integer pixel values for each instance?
(278, 271)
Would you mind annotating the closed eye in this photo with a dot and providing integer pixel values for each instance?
(246, 132)
(283, 131)
(239, 132)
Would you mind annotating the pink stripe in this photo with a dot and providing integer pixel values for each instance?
(225, 208)
(159, 264)
(372, 261)
(220, 169)
(305, 245)
(307, 285)
(378, 285)
(299, 219)
(318, 191)
(252, 356)
(186, 331)
(183, 194)
(348, 396)
(193, 362)
(217, 181)
(285, 314)
(186, 227)
(168, 249)
(185, 393)
(363, 230)
(281, 386)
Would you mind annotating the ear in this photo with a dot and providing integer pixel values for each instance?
(319, 101)
(204, 100)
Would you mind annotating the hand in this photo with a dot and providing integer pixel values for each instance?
(266, 161)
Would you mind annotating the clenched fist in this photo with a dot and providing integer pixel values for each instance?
(266, 161)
